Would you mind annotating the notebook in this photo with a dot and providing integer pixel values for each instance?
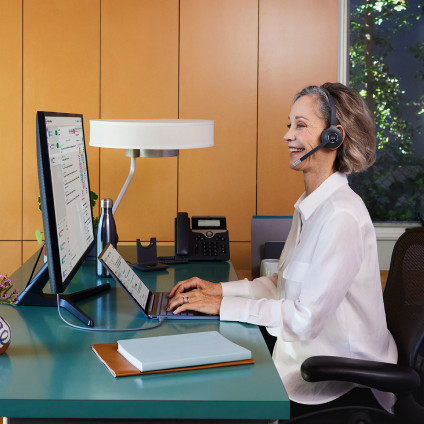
(151, 304)
(118, 366)
(181, 350)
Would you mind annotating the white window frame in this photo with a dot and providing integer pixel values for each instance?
(343, 42)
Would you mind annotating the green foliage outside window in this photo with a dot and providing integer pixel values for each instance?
(393, 189)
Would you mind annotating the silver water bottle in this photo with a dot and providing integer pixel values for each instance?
(106, 233)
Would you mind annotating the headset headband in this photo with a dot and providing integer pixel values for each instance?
(333, 117)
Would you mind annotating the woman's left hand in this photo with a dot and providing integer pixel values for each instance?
(195, 300)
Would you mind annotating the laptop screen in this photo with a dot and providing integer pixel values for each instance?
(125, 275)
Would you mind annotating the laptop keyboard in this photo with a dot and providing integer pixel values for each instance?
(163, 302)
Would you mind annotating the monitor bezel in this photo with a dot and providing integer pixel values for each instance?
(48, 207)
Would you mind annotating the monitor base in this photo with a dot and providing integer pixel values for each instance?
(33, 296)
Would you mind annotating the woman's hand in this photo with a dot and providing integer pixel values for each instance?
(195, 294)
(196, 283)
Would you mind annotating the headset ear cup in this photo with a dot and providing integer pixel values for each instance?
(332, 136)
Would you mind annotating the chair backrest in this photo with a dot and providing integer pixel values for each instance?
(404, 299)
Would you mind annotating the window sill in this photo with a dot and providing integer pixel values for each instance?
(387, 234)
(391, 231)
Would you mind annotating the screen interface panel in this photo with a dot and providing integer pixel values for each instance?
(71, 194)
(208, 223)
(125, 274)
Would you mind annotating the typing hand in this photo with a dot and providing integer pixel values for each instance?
(195, 294)
(195, 300)
(196, 283)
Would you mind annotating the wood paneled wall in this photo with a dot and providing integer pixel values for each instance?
(10, 135)
(238, 62)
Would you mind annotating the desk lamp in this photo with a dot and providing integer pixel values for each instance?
(150, 138)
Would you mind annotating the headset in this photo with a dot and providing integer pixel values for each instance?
(331, 137)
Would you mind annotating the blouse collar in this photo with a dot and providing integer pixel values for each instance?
(307, 205)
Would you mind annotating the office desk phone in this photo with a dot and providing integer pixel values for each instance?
(206, 240)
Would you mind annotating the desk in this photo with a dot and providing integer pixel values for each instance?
(49, 369)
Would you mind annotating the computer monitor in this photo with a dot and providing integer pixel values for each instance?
(66, 209)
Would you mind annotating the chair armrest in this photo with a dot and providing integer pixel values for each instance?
(378, 375)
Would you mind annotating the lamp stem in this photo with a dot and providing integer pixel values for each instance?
(125, 186)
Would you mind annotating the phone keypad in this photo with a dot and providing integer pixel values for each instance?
(210, 246)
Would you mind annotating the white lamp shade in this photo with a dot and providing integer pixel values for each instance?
(151, 134)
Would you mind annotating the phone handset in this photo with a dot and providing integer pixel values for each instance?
(182, 234)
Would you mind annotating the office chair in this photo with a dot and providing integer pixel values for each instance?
(404, 305)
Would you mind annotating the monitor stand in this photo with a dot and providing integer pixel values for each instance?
(33, 296)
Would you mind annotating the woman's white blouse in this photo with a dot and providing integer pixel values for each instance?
(326, 298)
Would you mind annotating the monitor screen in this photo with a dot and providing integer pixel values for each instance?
(65, 194)
(67, 215)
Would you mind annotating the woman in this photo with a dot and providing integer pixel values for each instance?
(326, 298)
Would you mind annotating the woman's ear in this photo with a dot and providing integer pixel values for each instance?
(342, 130)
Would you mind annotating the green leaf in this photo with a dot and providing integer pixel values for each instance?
(38, 236)
(93, 198)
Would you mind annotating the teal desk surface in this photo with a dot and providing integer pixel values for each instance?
(50, 370)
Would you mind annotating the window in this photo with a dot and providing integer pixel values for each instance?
(387, 69)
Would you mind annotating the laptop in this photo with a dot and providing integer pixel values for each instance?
(151, 304)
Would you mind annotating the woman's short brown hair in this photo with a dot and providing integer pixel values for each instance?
(358, 150)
